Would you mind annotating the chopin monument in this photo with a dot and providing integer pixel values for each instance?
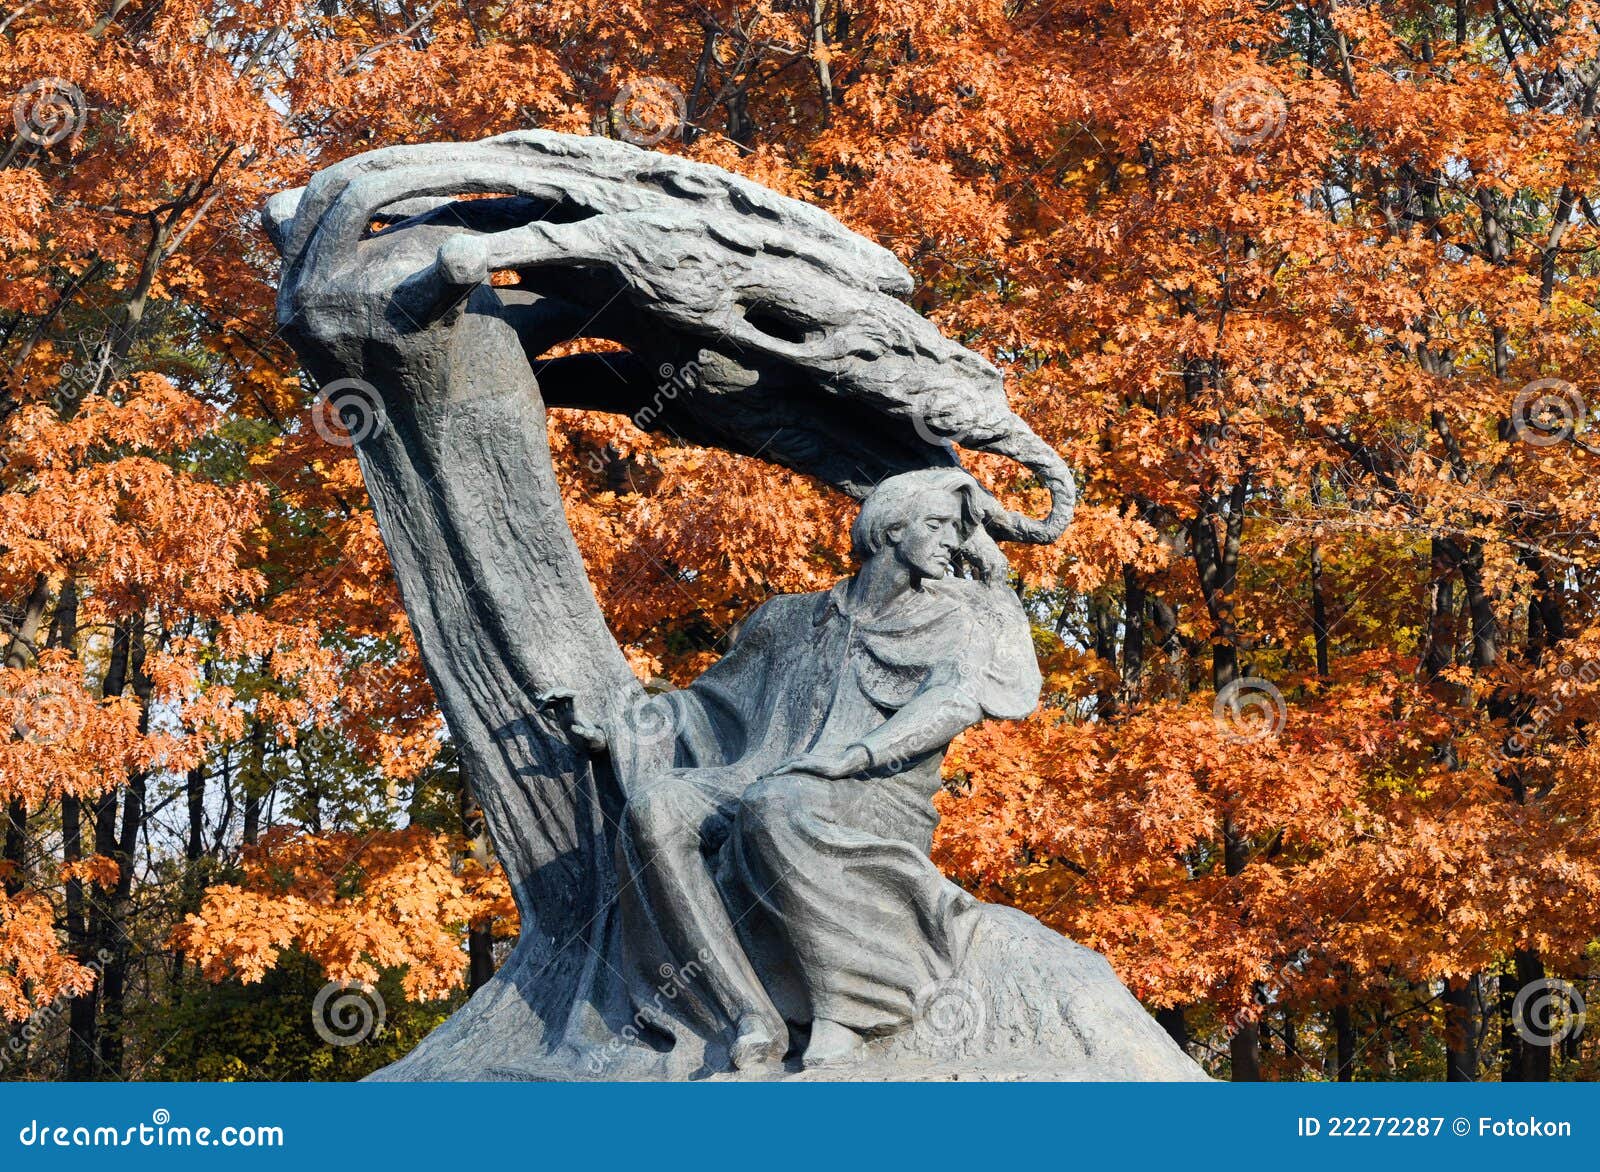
(731, 880)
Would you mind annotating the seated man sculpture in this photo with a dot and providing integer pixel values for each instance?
(782, 858)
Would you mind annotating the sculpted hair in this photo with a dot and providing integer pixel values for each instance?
(894, 502)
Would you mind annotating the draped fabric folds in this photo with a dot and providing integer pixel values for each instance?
(829, 905)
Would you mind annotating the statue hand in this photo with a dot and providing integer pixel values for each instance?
(595, 736)
(565, 701)
(854, 760)
(985, 557)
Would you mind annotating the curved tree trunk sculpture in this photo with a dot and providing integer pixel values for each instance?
(783, 339)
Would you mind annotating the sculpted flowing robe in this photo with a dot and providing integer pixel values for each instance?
(827, 882)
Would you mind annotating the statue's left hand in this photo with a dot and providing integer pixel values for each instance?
(853, 760)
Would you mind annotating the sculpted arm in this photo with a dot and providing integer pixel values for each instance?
(704, 718)
(928, 722)
(993, 675)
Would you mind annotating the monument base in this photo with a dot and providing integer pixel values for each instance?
(1027, 1004)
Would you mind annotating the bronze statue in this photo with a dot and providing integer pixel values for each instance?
(731, 880)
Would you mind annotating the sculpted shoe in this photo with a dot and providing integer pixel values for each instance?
(757, 1043)
(831, 1045)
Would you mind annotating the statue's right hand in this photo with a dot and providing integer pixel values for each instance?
(592, 735)
(981, 552)
(564, 701)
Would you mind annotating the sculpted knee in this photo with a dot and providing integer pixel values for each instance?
(766, 807)
(654, 815)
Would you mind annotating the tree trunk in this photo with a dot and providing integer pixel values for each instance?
(83, 1050)
(1103, 632)
(1534, 1052)
(16, 847)
(116, 838)
(1461, 1029)
(480, 937)
(1480, 605)
(252, 780)
(1244, 1052)
(480, 957)
(1510, 1043)
(1319, 605)
(1216, 559)
(1176, 1023)
(1244, 1047)
(1133, 605)
(20, 651)
(1344, 1041)
(1165, 619)
(194, 792)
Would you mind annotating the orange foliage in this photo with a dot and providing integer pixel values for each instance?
(355, 904)
(33, 970)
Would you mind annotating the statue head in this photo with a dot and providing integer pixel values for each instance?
(923, 518)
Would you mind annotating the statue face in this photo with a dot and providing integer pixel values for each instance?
(927, 542)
